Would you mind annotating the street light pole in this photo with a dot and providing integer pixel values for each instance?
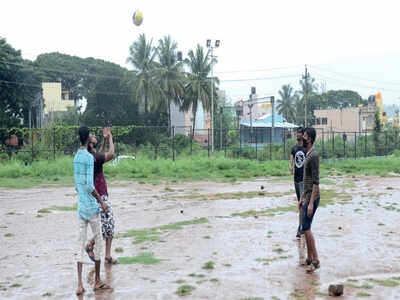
(217, 42)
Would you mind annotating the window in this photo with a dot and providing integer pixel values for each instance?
(318, 121)
(324, 121)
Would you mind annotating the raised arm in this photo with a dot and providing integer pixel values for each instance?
(110, 153)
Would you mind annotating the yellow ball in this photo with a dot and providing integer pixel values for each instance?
(137, 18)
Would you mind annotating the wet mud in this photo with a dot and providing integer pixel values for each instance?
(254, 254)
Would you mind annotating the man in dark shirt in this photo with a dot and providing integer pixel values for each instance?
(310, 198)
(297, 157)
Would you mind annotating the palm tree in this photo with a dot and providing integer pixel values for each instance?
(286, 104)
(170, 76)
(142, 57)
(197, 86)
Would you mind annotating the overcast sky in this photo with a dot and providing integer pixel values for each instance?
(347, 44)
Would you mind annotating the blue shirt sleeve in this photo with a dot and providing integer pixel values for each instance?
(90, 174)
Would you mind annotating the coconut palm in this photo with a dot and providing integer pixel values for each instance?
(198, 88)
(142, 57)
(286, 105)
(169, 74)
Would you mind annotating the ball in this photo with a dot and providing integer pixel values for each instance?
(137, 18)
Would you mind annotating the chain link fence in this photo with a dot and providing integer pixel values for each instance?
(176, 142)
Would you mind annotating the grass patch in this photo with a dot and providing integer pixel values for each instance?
(319, 293)
(65, 208)
(387, 282)
(185, 290)
(9, 235)
(227, 265)
(350, 185)
(208, 265)
(180, 281)
(237, 195)
(363, 294)
(278, 250)
(214, 280)
(48, 294)
(152, 234)
(44, 211)
(146, 258)
(207, 237)
(15, 285)
(119, 250)
(197, 275)
(252, 298)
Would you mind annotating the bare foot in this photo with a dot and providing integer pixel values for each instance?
(100, 285)
(80, 291)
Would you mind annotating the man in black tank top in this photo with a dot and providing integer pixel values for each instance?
(297, 158)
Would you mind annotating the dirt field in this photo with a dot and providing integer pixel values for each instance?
(254, 254)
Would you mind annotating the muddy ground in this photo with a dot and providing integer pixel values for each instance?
(249, 238)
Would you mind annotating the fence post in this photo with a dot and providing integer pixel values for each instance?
(344, 148)
(365, 145)
(240, 141)
(32, 145)
(355, 145)
(323, 144)
(270, 144)
(386, 144)
(225, 134)
(208, 142)
(173, 143)
(117, 142)
(191, 141)
(54, 143)
(284, 144)
(333, 144)
(256, 146)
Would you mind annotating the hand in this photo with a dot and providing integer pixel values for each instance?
(106, 132)
(310, 209)
(291, 170)
(104, 206)
(300, 205)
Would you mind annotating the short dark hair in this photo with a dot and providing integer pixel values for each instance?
(84, 134)
(300, 129)
(311, 133)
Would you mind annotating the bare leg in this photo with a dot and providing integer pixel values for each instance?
(80, 289)
(97, 269)
(311, 240)
(108, 247)
(308, 235)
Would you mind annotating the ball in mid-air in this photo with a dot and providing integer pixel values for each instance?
(137, 17)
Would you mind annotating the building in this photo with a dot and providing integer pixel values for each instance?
(55, 100)
(350, 119)
(260, 131)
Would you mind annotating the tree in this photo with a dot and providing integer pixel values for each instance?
(198, 83)
(169, 74)
(336, 99)
(142, 57)
(19, 86)
(377, 132)
(286, 104)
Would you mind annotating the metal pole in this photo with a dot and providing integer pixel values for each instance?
(333, 143)
(173, 143)
(256, 145)
(220, 128)
(54, 143)
(270, 144)
(365, 145)
(323, 144)
(208, 141)
(284, 144)
(355, 145)
(273, 117)
(212, 103)
(191, 141)
(225, 133)
(240, 140)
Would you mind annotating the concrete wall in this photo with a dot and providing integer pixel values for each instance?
(52, 98)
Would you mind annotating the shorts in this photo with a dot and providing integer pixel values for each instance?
(299, 187)
(107, 220)
(306, 221)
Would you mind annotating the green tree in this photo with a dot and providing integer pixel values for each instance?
(377, 132)
(286, 104)
(19, 86)
(142, 57)
(197, 88)
(169, 74)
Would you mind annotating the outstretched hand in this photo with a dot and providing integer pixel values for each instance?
(106, 132)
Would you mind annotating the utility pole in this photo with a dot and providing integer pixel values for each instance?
(220, 127)
(273, 117)
(305, 96)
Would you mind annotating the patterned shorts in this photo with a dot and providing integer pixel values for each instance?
(107, 220)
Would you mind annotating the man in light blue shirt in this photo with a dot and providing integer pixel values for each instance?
(88, 209)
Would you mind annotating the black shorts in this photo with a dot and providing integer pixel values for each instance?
(306, 221)
(299, 187)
